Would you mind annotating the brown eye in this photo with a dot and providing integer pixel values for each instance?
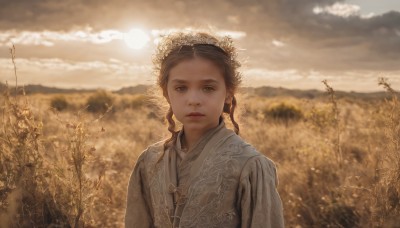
(180, 88)
(208, 89)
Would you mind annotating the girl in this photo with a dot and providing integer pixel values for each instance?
(204, 175)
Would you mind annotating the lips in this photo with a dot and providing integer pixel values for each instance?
(195, 114)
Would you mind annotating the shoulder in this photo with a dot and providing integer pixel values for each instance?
(239, 148)
(155, 147)
(252, 160)
(148, 159)
(259, 162)
(246, 152)
(260, 166)
(151, 152)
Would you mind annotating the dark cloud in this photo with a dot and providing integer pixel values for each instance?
(48, 14)
(326, 41)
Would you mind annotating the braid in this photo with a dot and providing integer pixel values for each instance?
(230, 109)
(231, 116)
(171, 128)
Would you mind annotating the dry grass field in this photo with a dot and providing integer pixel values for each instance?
(65, 159)
(63, 164)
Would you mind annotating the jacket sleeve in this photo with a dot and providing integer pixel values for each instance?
(138, 205)
(259, 199)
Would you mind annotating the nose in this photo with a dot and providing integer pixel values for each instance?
(194, 98)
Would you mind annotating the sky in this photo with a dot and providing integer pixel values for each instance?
(281, 43)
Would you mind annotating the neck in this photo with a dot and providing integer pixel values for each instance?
(190, 138)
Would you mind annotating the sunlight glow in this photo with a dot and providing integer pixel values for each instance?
(136, 39)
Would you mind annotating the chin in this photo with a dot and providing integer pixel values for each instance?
(197, 126)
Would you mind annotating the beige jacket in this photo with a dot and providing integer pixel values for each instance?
(221, 182)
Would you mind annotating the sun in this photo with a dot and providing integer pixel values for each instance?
(136, 39)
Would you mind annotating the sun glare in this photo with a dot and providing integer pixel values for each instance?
(136, 39)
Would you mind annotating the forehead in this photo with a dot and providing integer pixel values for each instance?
(195, 69)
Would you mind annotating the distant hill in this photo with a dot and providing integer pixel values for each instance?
(132, 89)
(32, 89)
(265, 91)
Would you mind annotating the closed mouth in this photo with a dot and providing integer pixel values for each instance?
(195, 114)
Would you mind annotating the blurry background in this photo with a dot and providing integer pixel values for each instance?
(66, 155)
(293, 44)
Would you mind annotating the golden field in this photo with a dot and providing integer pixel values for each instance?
(64, 164)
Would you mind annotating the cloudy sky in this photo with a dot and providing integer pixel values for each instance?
(287, 43)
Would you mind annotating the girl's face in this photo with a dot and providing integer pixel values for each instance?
(197, 93)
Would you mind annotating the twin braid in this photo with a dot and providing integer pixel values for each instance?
(171, 128)
(231, 114)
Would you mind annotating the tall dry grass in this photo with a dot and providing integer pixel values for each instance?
(387, 211)
(43, 186)
(338, 159)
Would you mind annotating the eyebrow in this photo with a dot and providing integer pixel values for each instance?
(203, 81)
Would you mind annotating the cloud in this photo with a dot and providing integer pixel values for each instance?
(278, 43)
(328, 41)
(329, 36)
(343, 10)
(340, 9)
(111, 74)
(47, 38)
